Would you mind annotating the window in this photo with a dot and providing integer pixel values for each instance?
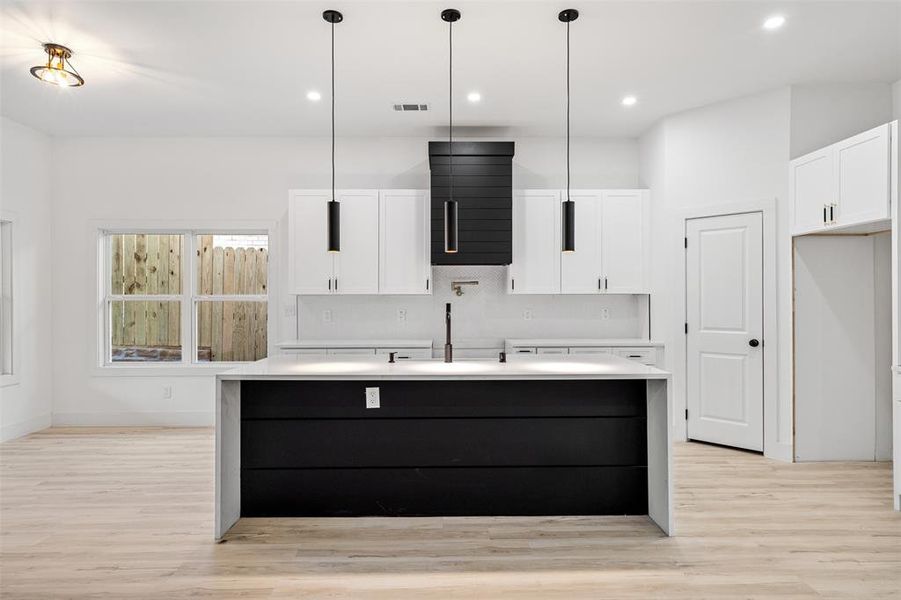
(6, 298)
(186, 297)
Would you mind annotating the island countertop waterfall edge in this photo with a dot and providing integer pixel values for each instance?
(657, 387)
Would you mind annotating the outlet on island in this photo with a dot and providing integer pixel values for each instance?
(372, 397)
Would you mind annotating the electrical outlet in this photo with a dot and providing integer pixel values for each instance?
(167, 392)
(372, 397)
(527, 315)
(401, 315)
(605, 313)
(326, 316)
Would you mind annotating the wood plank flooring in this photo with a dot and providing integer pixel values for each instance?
(128, 513)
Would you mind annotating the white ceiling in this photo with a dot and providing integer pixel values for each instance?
(223, 68)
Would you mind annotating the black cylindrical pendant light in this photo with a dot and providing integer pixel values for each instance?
(569, 207)
(334, 207)
(450, 16)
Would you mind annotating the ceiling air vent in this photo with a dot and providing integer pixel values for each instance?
(411, 107)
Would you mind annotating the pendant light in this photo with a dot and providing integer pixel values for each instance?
(569, 207)
(450, 16)
(58, 70)
(334, 207)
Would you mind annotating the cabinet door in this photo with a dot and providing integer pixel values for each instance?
(404, 259)
(624, 243)
(309, 261)
(357, 265)
(862, 170)
(536, 242)
(812, 189)
(582, 272)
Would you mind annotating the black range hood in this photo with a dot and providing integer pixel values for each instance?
(483, 189)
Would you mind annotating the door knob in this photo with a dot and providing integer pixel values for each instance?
(754, 343)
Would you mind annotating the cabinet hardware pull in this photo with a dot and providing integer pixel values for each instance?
(336, 284)
(426, 284)
(329, 284)
(605, 283)
(513, 284)
(831, 215)
(599, 283)
(824, 214)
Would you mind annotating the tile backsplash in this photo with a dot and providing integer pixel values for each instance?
(483, 316)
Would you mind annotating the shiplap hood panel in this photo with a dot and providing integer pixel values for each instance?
(483, 188)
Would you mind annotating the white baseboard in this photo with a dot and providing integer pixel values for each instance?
(17, 430)
(134, 419)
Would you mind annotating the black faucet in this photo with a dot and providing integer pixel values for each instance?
(448, 347)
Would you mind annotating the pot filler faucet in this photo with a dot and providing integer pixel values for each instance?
(448, 347)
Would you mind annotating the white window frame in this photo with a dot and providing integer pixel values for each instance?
(101, 231)
(9, 273)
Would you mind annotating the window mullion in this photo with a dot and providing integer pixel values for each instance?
(188, 315)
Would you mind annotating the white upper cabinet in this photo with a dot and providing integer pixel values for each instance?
(536, 242)
(582, 271)
(315, 270)
(310, 263)
(624, 241)
(843, 185)
(404, 258)
(357, 265)
(611, 244)
(862, 169)
(812, 190)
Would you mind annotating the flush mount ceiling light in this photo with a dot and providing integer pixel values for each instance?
(569, 207)
(314, 96)
(58, 70)
(334, 207)
(629, 100)
(474, 97)
(450, 16)
(774, 22)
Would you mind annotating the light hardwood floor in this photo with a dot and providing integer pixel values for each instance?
(103, 513)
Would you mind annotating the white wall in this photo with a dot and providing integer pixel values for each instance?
(483, 317)
(827, 113)
(25, 189)
(712, 159)
(178, 179)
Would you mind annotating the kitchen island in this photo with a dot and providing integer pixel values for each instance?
(533, 436)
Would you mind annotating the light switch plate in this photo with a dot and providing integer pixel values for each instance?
(372, 397)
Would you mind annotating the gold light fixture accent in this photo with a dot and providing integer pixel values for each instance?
(58, 70)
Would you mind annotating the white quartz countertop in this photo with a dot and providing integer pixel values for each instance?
(582, 342)
(342, 368)
(355, 344)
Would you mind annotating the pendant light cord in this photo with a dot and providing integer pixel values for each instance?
(567, 110)
(450, 80)
(333, 111)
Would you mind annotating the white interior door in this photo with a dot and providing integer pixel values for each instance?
(724, 295)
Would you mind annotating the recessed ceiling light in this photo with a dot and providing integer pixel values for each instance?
(314, 96)
(774, 22)
(629, 100)
(474, 96)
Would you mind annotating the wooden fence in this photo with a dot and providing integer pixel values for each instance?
(151, 330)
